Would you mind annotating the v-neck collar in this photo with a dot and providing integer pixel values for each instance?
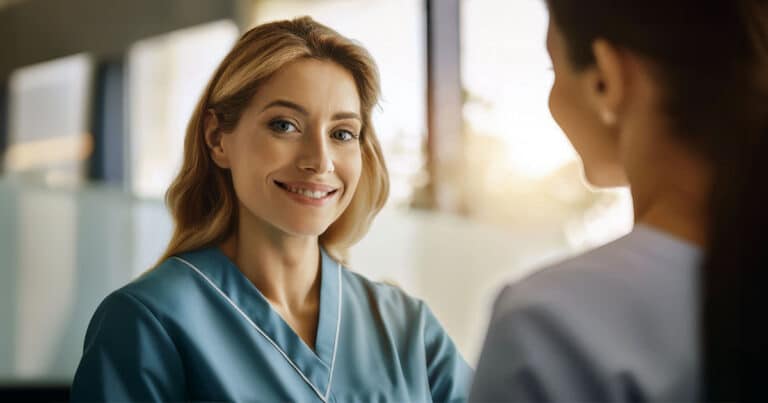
(314, 366)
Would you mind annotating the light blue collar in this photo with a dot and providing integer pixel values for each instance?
(226, 280)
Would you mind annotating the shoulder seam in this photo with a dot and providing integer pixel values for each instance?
(154, 316)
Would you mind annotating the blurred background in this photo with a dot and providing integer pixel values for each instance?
(95, 96)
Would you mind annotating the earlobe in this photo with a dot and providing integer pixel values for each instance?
(213, 139)
(608, 81)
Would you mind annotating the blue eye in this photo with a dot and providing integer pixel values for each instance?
(344, 135)
(282, 126)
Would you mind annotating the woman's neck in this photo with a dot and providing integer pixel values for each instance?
(283, 267)
(674, 197)
(676, 222)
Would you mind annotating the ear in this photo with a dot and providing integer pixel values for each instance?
(607, 82)
(213, 139)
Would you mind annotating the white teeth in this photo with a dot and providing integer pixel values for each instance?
(308, 193)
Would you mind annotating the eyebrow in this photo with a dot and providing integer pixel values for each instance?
(298, 108)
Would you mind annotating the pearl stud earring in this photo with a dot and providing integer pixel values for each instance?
(608, 117)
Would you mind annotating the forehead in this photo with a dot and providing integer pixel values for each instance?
(318, 85)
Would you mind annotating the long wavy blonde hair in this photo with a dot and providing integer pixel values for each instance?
(202, 199)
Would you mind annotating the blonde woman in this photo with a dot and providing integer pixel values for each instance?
(282, 173)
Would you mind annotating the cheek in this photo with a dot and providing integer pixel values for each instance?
(349, 166)
(596, 144)
(355, 171)
(257, 153)
(563, 105)
(554, 101)
(250, 163)
(568, 110)
(564, 110)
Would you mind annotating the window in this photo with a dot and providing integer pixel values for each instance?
(53, 149)
(49, 142)
(167, 75)
(527, 174)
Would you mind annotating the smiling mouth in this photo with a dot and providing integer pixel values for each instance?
(312, 194)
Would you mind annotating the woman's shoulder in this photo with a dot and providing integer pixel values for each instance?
(629, 291)
(407, 317)
(169, 284)
(627, 307)
(643, 264)
(387, 297)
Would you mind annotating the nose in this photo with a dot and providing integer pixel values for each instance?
(315, 156)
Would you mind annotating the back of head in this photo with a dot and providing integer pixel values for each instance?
(711, 59)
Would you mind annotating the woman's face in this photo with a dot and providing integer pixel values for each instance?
(295, 154)
(569, 103)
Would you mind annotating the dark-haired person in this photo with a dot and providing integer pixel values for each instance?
(670, 98)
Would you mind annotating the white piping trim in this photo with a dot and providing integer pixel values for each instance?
(336, 341)
(258, 329)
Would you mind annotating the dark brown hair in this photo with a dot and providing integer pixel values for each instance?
(711, 56)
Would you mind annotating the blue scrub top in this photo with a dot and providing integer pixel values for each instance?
(196, 328)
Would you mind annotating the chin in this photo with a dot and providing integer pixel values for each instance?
(605, 177)
(307, 229)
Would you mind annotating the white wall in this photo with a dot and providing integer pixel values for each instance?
(66, 249)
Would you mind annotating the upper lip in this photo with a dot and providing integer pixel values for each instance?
(315, 187)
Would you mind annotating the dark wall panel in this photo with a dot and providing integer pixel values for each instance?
(38, 30)
(108, 125)
(4, 129)
(444, 106)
